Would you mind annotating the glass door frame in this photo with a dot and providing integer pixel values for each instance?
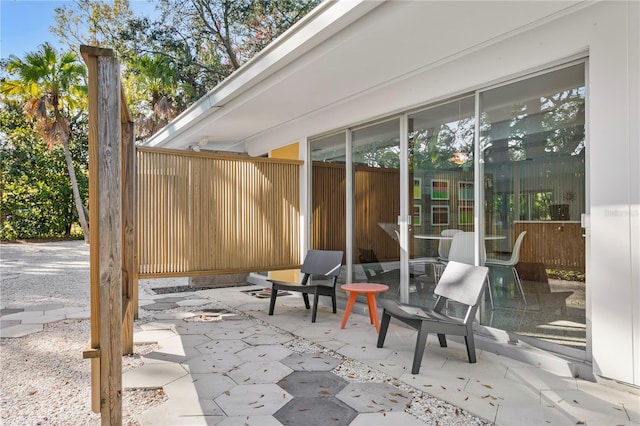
(404, 219)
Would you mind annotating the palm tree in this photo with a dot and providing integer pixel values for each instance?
(153, 80)
(53, 86)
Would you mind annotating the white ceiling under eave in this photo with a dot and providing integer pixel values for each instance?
(343, 50)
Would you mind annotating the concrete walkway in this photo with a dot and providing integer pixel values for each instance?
(222, 360)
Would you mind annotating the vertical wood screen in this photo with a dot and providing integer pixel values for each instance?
(206, 214)
(377, 192)
(557, 245)
(377, 200)
(329, 206)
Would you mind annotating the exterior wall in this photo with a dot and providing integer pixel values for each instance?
(607, 33)
(289, 152)
(616, 335)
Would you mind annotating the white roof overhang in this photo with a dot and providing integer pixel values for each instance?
(341, 50)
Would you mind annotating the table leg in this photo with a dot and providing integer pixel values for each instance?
(347, 311)
(371, 307)
(373, 310)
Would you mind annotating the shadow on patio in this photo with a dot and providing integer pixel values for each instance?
(222, 359)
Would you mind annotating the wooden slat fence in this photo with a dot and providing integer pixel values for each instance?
(206, 214)
(557, 245)
(329, 206)
(377, 200)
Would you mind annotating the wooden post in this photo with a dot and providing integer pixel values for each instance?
(110, 242)
(129, 262)
(105, 162)
(91, 60)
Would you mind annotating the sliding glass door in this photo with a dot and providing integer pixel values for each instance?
(375, 159)
(507, 164)
(441, 146)
(533, 138)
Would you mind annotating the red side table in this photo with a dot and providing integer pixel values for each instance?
(370, 290)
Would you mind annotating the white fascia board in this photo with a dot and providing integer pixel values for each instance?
(321, 23)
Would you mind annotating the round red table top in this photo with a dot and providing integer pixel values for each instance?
(365, 287)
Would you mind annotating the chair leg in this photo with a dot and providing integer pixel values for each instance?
(384, 326)
(471, 347)
(489, 291)
(421, 342)
(333, 301)
(272, 302)
(305, 297)
(516, 276)
(443, 340)
(315, 306)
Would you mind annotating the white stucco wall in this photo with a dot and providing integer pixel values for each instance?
(606, 33)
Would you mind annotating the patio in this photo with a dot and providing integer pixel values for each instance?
(222, 365)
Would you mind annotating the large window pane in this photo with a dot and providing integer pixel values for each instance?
(376, 168)
(533, 144)
(328, 180)
(441, 168)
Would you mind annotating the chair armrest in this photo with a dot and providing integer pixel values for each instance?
(417, 313)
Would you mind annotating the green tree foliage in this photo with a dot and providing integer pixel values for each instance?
(51, 87)
(36, 199)
(174, 58)
(169, 61)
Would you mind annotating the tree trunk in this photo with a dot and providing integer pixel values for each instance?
(74, 186)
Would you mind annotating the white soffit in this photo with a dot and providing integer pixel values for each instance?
(341, 52)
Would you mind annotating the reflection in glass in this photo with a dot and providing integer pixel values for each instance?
(328, 226)
(441, 162)
(376, 168)
(533, 139)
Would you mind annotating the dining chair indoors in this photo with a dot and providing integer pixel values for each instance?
(511, 263)
(444, 245)
(460, 283)
(324, 263)
(463, 251)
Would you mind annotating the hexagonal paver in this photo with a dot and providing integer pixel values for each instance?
(211, 363)
(315, 411)
(199, 386)
(235, 321)
(159, 306)
(312, 384)
(152, 375)
(249, 421)
(267, 339)
(259, 372)
(195, 327)
(222, 346)
(236, 333)
(264, 353)
(194, 301)
(253, 400)
(311, 362)
(374, 397)
(183, 411)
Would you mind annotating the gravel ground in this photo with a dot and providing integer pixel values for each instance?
(45, 381)
(44, 273)
(43, 378)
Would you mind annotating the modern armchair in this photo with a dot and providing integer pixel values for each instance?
(459, 282)
(325, 263)
(463, 251)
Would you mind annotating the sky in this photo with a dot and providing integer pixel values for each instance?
(24, 24)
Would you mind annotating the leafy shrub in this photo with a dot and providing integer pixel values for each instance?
(36, 196)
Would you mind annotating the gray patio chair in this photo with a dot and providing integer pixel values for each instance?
(325, 263)
(460, 283)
